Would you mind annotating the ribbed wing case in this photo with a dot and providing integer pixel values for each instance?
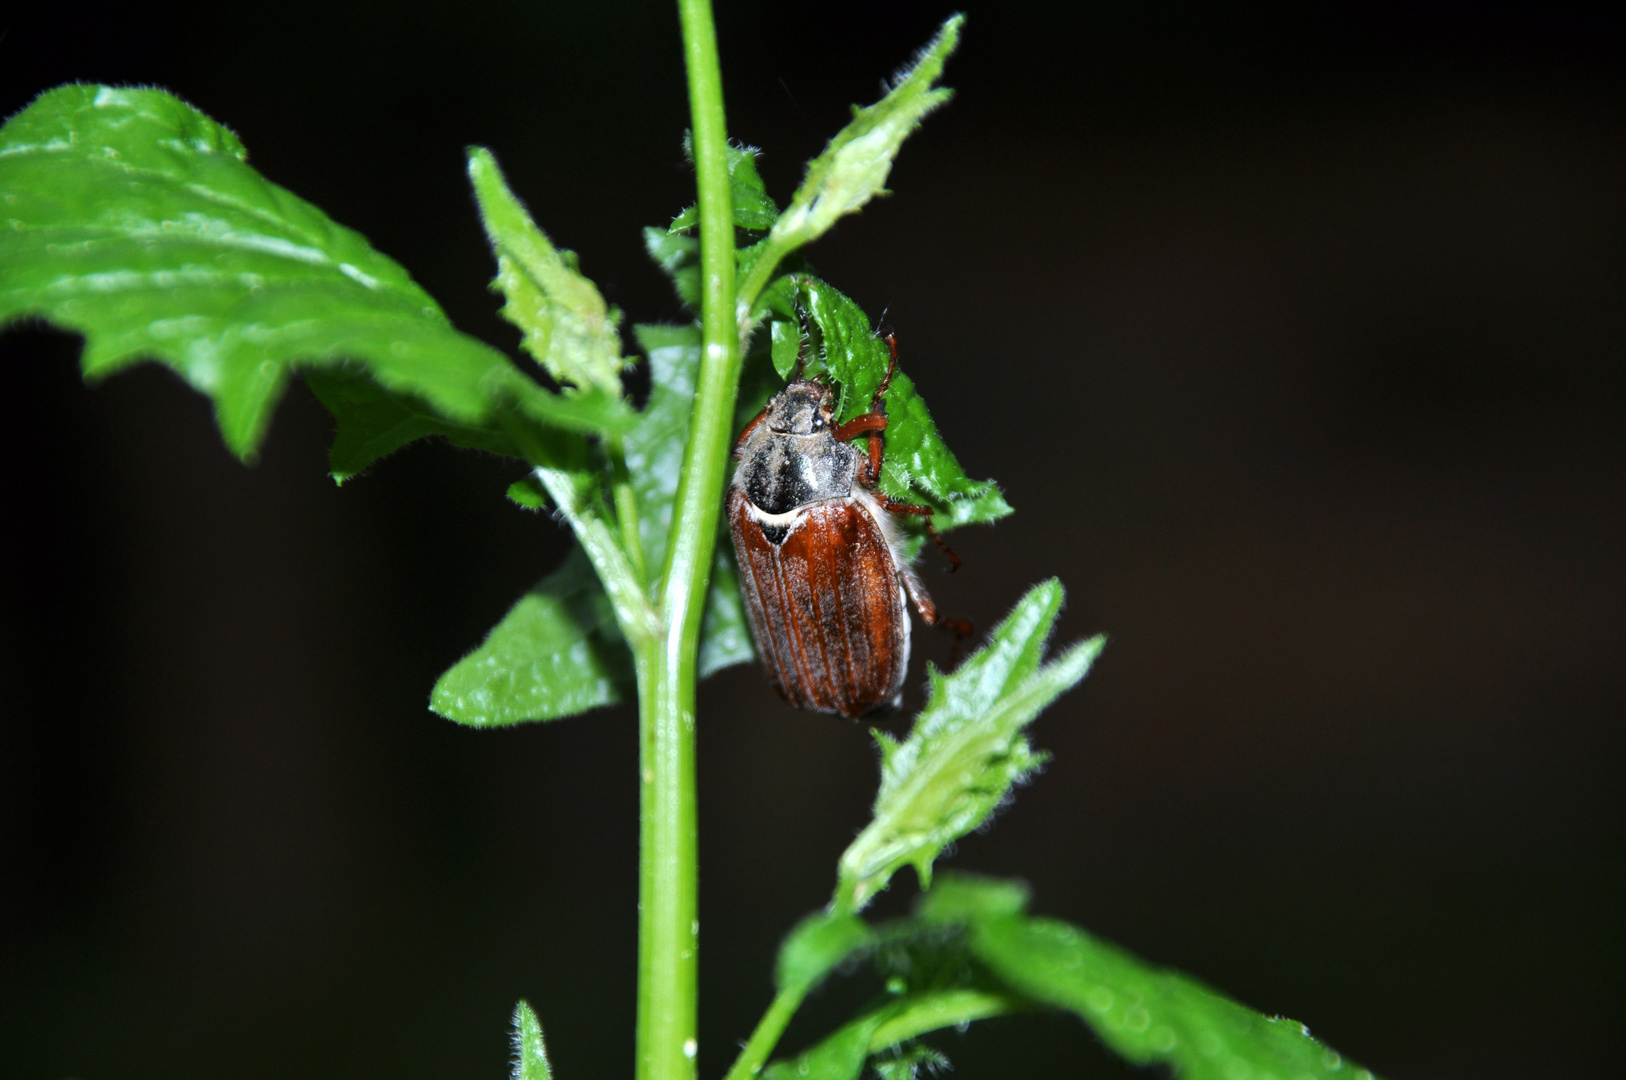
(825, 605)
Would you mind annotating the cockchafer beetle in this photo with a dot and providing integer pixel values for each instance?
(822, 567)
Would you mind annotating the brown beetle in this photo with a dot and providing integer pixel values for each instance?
(822, 567)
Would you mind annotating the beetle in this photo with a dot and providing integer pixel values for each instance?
(826, 582)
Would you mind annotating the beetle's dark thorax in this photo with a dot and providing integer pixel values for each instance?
(790, 459)
(784, 472)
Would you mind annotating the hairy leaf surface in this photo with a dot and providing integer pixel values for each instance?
(853, 168)
(967, 749)
(567, 325)
(753, 209)
(134, 219)
(530, 1051)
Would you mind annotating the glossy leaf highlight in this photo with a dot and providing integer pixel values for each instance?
(134, 219)
(1147, 1014)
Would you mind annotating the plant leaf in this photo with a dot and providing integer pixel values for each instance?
(530, 1051)
(908, 1061)
(841, 1056)
(134, 219)
(567, 325)
(854, 166)
(556, 653)
(1147, 1014)
(959, 898)
(817, 944)
(679, 257)
(919, 466)
(753, 209)
(370, 422)
(967, 749)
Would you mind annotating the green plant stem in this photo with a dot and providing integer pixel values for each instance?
(755, 1053)
(757, 277)
(668, 958)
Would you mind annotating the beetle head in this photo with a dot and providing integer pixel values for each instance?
(802, 408)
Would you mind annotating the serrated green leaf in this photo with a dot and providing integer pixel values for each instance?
(753, 209)
(817, 944)
(132, 218)
(919, 466)
(786, 339)
(530, 1051)
(967, 749)
(567, 326)
(679, 257)
(1147, 1014)
(556, 653)
(853, 168)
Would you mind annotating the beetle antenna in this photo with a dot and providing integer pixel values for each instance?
(801, 355)
(803, 334)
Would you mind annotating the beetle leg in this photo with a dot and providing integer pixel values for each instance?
(871, 424)
(926, 512)
(877, 407)
(875, 459)
(960, 628)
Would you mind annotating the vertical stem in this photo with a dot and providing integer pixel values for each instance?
(668, 895)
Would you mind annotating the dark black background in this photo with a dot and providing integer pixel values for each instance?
(1295, 339)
